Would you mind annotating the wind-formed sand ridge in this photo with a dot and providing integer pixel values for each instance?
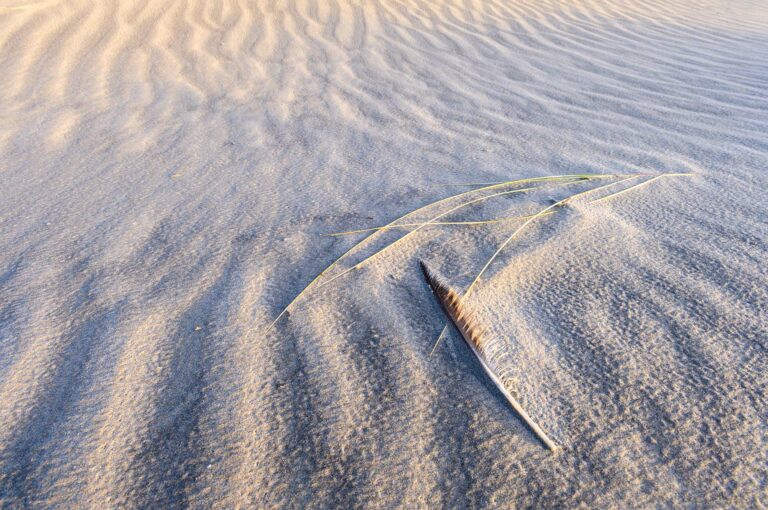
(168, 171)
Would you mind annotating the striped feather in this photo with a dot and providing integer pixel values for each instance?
(486, 351)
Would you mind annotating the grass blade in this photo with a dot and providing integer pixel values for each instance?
(612, 195)
(553, 178)
(432, 224)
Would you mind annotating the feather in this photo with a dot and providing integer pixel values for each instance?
(486, 351)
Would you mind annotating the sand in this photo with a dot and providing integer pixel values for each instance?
(168, 170)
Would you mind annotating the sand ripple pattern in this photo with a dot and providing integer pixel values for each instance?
(167, 168)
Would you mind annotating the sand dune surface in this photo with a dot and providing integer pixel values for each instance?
(168, 171)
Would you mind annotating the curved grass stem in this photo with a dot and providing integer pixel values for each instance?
(430, 222)
(313, 282)
(433, 224)
(625, 190)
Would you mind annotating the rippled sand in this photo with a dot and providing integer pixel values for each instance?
(168, 168)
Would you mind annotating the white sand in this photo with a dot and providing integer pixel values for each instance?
(167, 170)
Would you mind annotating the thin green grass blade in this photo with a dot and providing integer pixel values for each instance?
(433, 224)
(522, 227)
(431, 204)
(644, 183)
(460, 206)
(395, 243)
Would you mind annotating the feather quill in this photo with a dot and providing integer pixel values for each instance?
(485, 351)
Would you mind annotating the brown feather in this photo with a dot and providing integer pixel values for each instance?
(472, 334)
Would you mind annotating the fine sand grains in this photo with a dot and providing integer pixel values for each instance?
(170, 170)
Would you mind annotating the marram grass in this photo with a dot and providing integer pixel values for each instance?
(432, 224)
(644, 183)
(516, 182)
(566, 180)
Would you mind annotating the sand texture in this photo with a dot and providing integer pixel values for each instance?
(168, 170)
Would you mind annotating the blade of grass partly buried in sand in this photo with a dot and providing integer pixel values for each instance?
(582, 176)
(433, 224)
(393, 225)
(514, 235)
(430, 222)
(460, 206)
(531, 220)
(553, 178)
(480, 346)
(461, 184)
(644, 183)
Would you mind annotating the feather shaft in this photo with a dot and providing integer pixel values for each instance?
(470, 332)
